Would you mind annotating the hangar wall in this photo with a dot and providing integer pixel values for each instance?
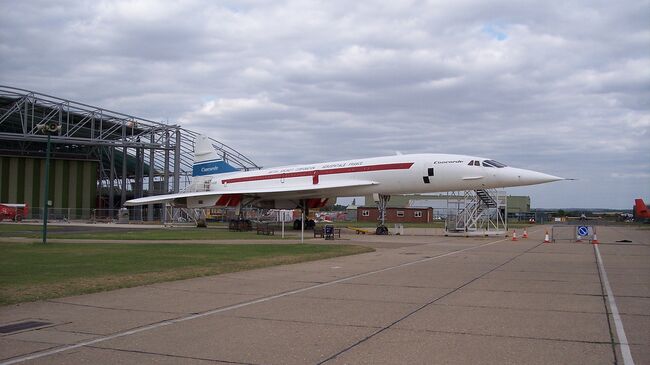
(73, 185)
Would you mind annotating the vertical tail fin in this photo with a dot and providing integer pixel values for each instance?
(206, 159)
(640, 209)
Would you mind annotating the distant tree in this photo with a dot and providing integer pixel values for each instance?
(561, 213)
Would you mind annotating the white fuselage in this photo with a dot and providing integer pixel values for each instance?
(399, 174)
(315, 184)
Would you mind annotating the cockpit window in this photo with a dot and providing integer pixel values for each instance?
(487, 163)
(471, 163)
(495, 163)
(477, 163)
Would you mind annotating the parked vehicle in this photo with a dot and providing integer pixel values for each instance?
(15, 212)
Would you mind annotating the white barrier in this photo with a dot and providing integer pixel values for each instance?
(571, 233)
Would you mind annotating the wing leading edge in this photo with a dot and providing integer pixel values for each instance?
(294, 191)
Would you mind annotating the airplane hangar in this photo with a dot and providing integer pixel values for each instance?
(99, 158)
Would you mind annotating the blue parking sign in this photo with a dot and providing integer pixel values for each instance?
(583, 230)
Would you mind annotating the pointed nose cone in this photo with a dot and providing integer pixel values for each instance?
(519, 177)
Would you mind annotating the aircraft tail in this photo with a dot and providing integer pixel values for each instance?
(640, 209)
(206, 159)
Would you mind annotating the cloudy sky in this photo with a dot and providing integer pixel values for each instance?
(561, 87)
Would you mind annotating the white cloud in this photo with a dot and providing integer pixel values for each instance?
(221, 107)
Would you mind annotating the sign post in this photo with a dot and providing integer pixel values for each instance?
(47, 186)
(48, 129)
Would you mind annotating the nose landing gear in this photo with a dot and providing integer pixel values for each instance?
(381, 230)
(382, 204)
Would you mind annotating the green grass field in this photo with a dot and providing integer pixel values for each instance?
(166, 234)
(176, 233)
(17, 227)
(31, 272)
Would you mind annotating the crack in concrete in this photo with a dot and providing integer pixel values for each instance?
(358, 300)
(115, 309)
(514, 308)
(302, 322)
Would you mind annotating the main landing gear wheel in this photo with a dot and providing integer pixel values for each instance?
(309, 224)
(381, 230)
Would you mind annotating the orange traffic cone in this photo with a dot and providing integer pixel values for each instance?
(514, 235)
(594, 241)
(546, 238)
(525, 235)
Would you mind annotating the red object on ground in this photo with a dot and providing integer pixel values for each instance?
(15, 212)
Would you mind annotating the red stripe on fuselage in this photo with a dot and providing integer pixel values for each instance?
(340, 170)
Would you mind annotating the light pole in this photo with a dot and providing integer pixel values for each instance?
(49, 129)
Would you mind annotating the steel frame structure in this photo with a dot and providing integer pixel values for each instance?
(160, 155)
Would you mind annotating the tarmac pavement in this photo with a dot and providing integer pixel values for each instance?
(417, 300)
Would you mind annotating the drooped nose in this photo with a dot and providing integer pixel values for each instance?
(512, 176)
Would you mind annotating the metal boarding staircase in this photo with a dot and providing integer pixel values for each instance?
(486, 198)
(475, 211)
(181, 215)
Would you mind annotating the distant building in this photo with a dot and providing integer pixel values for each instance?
(519, 207)
(396, 215)
(351, 212)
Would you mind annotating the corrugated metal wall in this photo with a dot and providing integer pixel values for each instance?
(73, 184)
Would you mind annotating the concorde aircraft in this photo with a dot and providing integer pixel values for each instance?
(217, 184)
